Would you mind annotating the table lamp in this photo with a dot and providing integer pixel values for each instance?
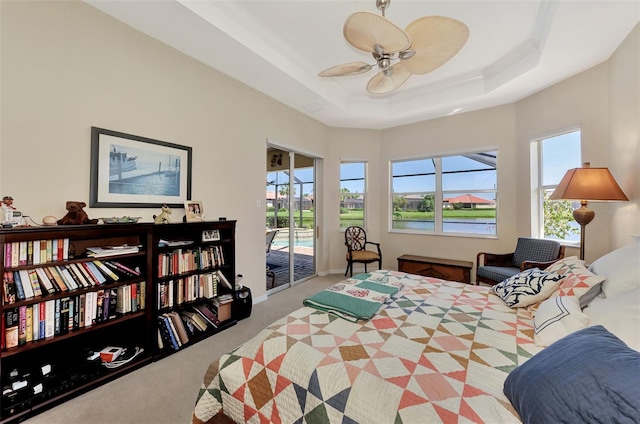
(586, 184)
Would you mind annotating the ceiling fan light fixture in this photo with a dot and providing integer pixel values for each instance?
(426, 44)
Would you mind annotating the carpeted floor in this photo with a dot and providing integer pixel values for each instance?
(164, 392)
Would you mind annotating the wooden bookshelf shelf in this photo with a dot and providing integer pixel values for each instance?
(82, 304)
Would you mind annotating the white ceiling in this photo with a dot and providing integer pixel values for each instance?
(515, 48)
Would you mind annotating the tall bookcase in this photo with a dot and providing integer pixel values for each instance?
(191, 261)
(82, 272)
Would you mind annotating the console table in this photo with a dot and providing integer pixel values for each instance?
(446, 269)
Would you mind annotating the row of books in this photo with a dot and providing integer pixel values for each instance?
(181, 261)
(176, 328)
(35, 252)
(30, 283)
(27, 323)
(175, 292)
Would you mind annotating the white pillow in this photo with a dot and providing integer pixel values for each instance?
(620, 314)
(621, 267)
(557, 317)
(527, 287)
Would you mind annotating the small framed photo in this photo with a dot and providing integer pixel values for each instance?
(194, 210)
(211, 235)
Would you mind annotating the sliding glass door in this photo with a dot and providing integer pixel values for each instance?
(290, 218)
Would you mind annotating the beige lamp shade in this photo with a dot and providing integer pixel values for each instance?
(588, 184)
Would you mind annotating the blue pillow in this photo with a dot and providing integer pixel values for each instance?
(588, 376)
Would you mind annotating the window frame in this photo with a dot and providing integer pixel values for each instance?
(364, 195)
(438, 194)
(540, 188)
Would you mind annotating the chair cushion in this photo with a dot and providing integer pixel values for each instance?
(363, 255)
(532, 249)
(497, 273)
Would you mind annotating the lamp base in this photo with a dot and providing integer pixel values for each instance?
(583, 216)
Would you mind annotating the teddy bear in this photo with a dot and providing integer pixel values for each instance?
(75, 215)
(163, 218)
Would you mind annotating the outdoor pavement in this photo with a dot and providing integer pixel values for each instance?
(278, 262)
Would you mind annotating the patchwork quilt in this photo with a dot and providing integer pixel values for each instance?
(436, 351)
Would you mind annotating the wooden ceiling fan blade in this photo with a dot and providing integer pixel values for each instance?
(382, 83)
(365, 30)
(435, 40)
(352, 68)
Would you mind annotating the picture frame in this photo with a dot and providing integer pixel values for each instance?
(132, 171)
(211, 235)
(194, 211)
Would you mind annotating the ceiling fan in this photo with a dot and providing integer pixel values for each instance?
(426, 44)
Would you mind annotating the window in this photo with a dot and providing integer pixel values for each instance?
(556, 155)
(465, 187)
(352, 194)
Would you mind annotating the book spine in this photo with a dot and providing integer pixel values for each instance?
(22, 325)
(50, 317)
(9, 295)
(35, 282)
(54, 250)
(15, 253)
(106, 270)
(7, 255)
(11, 323)
(18, 283)
(29, 323)
(49, 250)
(56, 322)
(35, 321)
(30, 252)
(42, 315)
(36, 252)
(65, 249)
(26, 283)
(22, 258)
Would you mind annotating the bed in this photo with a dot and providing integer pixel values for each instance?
(432, 351)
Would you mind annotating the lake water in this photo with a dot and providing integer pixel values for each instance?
(451, 225)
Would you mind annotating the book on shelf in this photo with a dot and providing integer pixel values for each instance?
(197, 320)
(9, 292)
(50, 314)
(207, 313)
(57, 277)
(25, 280)
(20, 295)
(179, 326)
(47, 285)
(93, 270)
(174, 243)
(166, 332)
(101, 252)
(35, 283)
(224, 279)
(11, 320)
(106, 270)
(29, 324)
(35, 321)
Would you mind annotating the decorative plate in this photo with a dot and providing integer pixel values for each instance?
(121, 220)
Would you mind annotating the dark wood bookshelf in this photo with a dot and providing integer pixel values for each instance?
(67, 353)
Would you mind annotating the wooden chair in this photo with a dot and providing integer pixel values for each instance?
(271, 234)
(355, 238)
(492, 268)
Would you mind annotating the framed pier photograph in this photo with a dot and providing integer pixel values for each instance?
(133, 171)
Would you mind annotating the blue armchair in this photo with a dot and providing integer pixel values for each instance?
(491, 268)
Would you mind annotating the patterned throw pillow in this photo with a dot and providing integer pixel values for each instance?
(527, 287)
(578, 279)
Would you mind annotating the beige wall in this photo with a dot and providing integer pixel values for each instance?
(66, 67)
(624, 137)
